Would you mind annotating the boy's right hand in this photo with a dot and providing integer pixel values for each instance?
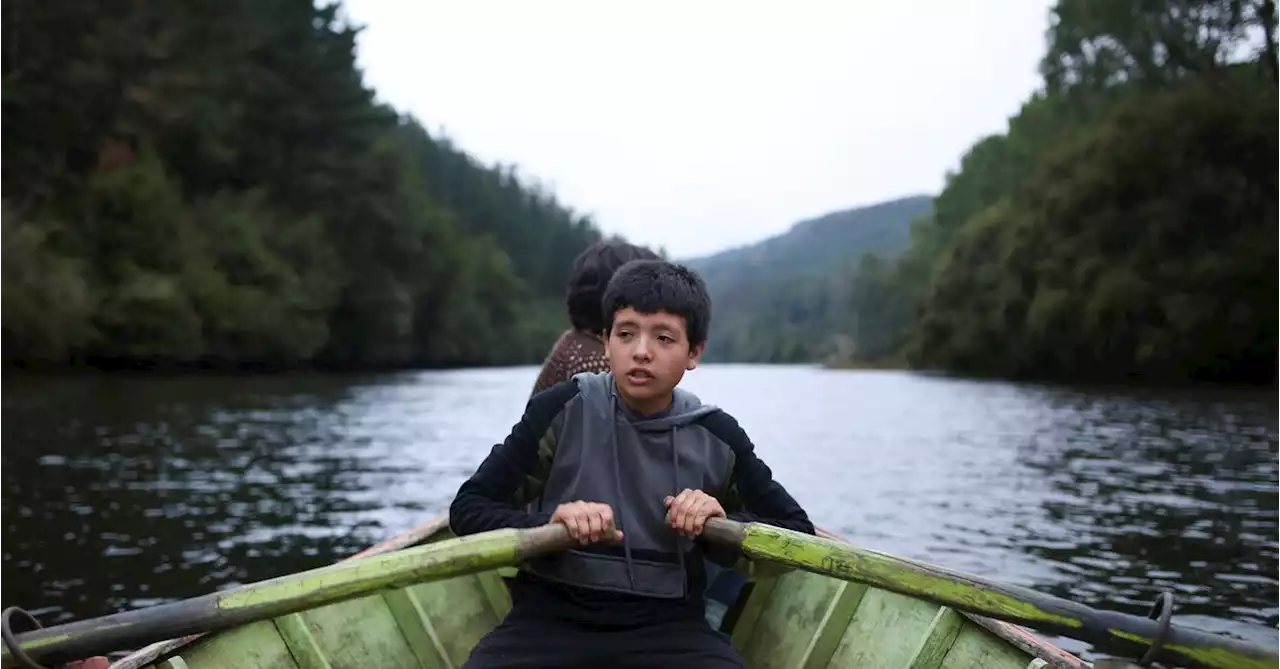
(587, 522)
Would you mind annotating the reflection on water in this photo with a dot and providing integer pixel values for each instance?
(128, 491)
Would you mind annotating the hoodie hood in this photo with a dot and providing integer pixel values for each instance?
(600, 390)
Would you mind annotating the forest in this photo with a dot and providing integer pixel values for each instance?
(211, 184)
(1123, 228)
(1126, 225)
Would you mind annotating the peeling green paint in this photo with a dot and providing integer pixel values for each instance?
(1223, 658)
(973, 593)
(268, 599)
(414, 565)
(850, 563)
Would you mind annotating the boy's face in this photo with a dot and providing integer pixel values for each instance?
(649, 354)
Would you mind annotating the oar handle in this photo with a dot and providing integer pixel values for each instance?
(543, 540)
(725, 531)
(554, 537)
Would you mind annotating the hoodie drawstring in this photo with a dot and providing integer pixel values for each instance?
(617, 482)
(619, 512)
(675, 479)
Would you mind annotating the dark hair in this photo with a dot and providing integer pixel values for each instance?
(650, 286)
(590, 274)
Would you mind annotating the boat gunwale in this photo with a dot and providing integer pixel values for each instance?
(1015, 635)
(163, 650)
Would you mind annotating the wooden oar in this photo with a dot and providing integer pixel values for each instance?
(1117, 633)
(287, 594)
(411, 537)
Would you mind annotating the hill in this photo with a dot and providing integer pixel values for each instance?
(778, 300)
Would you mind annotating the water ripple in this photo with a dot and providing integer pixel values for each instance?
(129, 491)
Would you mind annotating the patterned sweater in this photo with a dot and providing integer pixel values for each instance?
(575, 352)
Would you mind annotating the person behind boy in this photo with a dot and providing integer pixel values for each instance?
(633, 467)
(581, 347)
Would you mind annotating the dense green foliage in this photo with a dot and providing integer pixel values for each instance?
(1124, 227)
(1116, 258)
(212, 183)
(785, 299)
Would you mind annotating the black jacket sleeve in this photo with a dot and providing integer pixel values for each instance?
(763, 499)
(485, 501)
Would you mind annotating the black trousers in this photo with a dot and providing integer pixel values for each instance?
(528, 641)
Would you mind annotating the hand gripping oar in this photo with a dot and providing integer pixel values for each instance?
(1116, 633)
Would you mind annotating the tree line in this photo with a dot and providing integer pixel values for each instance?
(1123, 228)
(211, 183)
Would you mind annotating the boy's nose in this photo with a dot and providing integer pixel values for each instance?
(641, 351)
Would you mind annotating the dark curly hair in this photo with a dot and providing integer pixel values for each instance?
(650, 286)
(590, 275)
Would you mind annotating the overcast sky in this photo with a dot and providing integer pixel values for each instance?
(697, 126)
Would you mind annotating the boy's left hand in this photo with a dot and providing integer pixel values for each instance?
(688, 512)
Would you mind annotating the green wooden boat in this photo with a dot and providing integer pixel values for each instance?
(809, 602)
(783, 617)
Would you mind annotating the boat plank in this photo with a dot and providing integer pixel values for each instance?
(254, 646)
(416, 627)
(495, 591)
(976, 647)
(793, 617)
(460, 613)
(360, 632)
(938, 639)
(885, 632)
(757, 600)
(306, 653)
(1025, 639)
(823, 646)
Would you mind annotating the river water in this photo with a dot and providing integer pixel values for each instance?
(127, 491)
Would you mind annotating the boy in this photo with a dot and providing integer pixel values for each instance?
(633, 467)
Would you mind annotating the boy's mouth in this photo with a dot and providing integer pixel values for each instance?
(639, 376)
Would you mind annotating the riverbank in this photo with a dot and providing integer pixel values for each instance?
(879, 365)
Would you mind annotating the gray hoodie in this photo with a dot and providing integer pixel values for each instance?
(605, 452)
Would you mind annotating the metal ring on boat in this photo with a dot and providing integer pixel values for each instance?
(1162, 612)
(11, 642)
